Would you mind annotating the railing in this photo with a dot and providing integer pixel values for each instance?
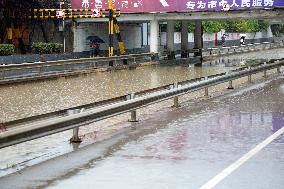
(130, 103)
(241, 49)
(37, 70)
(208, 53)
(40, 70)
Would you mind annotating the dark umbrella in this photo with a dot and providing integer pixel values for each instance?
(96, 39)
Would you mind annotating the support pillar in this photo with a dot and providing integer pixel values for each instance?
(198, 40)
(154, 36)
(184, 39)
(170, 39)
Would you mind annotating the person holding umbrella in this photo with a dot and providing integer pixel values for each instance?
(242, 39)
(94, 45)
(93, 48)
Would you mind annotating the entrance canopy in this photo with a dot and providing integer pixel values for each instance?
(148, 6)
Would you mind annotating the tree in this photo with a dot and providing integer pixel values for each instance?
(247, 26)
(213, 26)
(277, 29)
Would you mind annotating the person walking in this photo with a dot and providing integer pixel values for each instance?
(242, 40)
(97, 49)
(93, 48)
(223, 39)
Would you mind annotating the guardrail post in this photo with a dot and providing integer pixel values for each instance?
(206, 90)
(133, 117)
(278, 68)
(249, 79)
(265, 71)
(75, 138)
(94, 64)
(249, 76)
(39, 70)
(230, 85)
(176, 104)
(3, 74)
(110, 63)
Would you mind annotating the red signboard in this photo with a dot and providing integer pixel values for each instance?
(133, 6)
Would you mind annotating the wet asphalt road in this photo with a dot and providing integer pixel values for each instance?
(185, 148)
(193, 144)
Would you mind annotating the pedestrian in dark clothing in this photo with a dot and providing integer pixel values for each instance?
(223, 38)
(97, 49)
(93, 48)
(242, 40)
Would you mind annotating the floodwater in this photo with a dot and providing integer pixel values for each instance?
(24, 100)
(191, 145)
(176, 138)
(34, 98)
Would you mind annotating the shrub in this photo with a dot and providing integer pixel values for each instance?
(6, 49)
(57, 47)
(47, 48)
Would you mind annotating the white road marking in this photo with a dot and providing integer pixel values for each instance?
(226, 172)
(164, 3)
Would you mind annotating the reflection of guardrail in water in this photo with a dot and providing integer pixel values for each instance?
(16, 72)
(207, 53)
(132, 102)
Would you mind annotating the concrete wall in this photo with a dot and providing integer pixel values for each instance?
(131, 35)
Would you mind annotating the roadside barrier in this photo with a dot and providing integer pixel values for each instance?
(128, 103)
(241, 49)
(33, 71)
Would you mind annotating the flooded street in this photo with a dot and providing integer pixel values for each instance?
(24, 100)
(193, 144)
(167, 148)
(34, 98)
(181, 148)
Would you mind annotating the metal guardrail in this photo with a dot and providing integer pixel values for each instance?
(241, 49)
(42, 128)
(41, 70)
(64, 67)
(221, 51)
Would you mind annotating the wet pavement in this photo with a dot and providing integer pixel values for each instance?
(183, 149)
(186, 147)
(190, 147)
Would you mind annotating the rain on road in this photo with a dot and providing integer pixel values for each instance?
(193, 144)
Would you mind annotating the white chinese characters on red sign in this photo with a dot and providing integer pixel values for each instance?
(176, 5)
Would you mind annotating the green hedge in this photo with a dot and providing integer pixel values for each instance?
(47, 48)
(6, 49)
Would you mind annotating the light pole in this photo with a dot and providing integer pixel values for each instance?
(63, 27)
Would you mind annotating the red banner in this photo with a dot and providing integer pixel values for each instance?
(133, 6)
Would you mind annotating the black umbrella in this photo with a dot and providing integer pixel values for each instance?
(96, 39)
